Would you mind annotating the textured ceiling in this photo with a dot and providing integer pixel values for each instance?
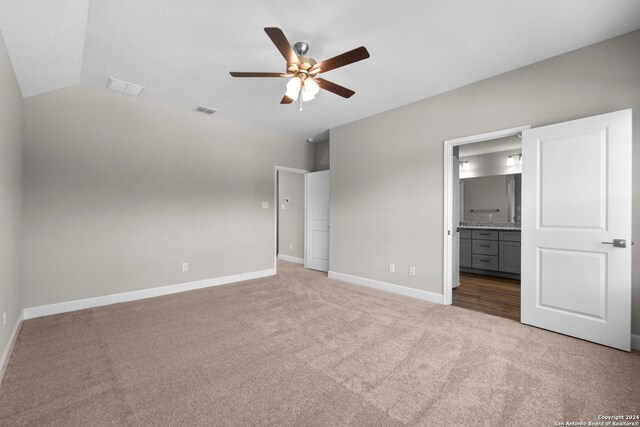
(182, 50)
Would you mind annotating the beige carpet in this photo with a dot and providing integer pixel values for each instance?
(300, 349)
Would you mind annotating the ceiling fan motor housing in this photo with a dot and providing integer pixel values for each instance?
(301, 48)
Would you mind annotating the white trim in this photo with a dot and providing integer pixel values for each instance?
(447, 266)
(503, 133)
(64, 307)
(387, 287)
(635, 342)
(6, 354)
(275, 208)
(291, 259)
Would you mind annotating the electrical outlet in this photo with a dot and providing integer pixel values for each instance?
(185, 266)
(290, 245)
(412, 271)
(392, 268)
(265, 205)
(4, 320)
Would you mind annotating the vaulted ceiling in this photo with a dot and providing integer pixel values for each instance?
(181, 51)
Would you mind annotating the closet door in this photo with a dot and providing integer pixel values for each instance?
(317, 224)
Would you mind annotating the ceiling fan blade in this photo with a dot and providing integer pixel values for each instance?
(332, 87)
(286, 100)
(278, 38)
(250, 74)
(355, 55)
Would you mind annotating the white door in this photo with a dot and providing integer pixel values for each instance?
(316, 244)
(455, 279)
(576, 187)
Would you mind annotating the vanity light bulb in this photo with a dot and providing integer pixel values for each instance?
(510, 161)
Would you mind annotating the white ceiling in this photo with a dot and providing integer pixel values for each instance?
(182, 50)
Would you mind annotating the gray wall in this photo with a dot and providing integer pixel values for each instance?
(387, 172)
(321, 156)
(120, 191)
(11, 126)
(291, 218)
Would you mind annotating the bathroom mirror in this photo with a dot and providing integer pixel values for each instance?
(493, 198)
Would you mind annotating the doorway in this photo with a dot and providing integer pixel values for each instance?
(576, 227)
(454, 205)
(289, 205)
(486, 218)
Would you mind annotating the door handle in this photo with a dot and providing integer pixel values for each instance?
(617, 243)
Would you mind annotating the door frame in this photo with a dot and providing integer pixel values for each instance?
(275, 208)
(447, 267)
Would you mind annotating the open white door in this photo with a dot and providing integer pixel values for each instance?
(576, 187)
(455, 276)
(316, 242)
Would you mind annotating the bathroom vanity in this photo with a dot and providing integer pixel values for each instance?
(490, 249)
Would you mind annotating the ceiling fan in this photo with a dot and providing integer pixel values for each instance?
(303, 70)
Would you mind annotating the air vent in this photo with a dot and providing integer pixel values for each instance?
(206, 110)
(124, 87)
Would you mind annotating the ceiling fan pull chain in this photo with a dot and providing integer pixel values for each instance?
(300, 97)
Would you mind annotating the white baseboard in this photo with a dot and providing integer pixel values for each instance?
(6, 354)
(291, 259)
(388, 287)
(635, 342)
(64, 307)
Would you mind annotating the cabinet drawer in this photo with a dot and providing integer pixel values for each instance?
(485, 262)
(485, 234)
(485, 247)
(465, 234)
(510, 236)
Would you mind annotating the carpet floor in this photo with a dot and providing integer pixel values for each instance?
(301, 349)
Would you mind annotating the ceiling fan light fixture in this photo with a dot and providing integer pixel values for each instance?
(311, 86)
(293, 88)
(307, 96)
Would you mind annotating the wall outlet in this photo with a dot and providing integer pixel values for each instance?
(290, 245)
(392, 268)
(265, 205)
(412, 271)
(282, 206)
(4, 320)
(185, 266)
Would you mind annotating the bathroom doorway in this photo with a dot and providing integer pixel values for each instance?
(485, 230)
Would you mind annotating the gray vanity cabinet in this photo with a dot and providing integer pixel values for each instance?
(509, 258)
(510, 251)
(494, 252)
(465, 252)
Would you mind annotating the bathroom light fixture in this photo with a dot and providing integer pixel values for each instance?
(511, 160)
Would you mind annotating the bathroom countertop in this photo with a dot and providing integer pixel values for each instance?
(469, 225)
(489, 227)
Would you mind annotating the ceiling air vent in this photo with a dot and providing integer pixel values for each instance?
(206, 110)
(124, 87)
